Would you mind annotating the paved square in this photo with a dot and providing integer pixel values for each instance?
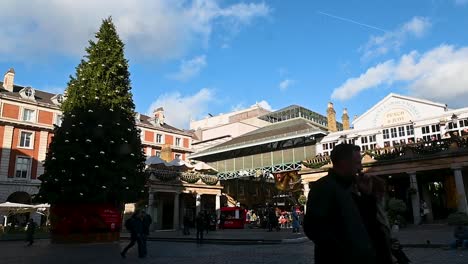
(178, 253)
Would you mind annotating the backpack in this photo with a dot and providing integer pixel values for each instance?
(129, 224)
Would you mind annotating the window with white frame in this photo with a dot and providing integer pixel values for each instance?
(364, 140)
(431, 132)
(58, 120)
(178, 156)
(386, 134)
(410, 130)
(394, 132)
(401, 131)
(26, 139)
(158, 153)
(177, 142)
(159, 138)
(29, 115)
(23, 167)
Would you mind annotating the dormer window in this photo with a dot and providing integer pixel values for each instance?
(58, 99)
(27, 93)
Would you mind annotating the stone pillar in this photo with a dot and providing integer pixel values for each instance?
(461, 194)
(176, 225)
(6, 149)
(306, 194)
(151, 210)
(198, 203)
(218, 205)
(415, 201)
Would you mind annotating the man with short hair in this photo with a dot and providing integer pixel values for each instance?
(333, 220)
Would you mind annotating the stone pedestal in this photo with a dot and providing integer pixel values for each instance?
(218, 206)
(176, 211)
(461, 194)
(415, 200)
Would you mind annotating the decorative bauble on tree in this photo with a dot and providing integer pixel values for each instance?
(93, 116)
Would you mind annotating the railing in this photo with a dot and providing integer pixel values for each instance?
(406, 151)
(420, 149)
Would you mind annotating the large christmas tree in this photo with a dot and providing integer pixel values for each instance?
(95, 155)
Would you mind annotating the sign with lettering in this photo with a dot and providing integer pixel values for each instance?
(396, 116)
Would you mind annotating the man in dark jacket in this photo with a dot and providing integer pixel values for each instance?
(146, 221)
(200, 223)
(135, 227)
(332, 219)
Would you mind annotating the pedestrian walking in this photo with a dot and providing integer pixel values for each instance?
(30, 230)
(333, 220)
(295, 221)
(200, 222)
(146, 222)
(135, 226)
(424, 212)
(222, 219)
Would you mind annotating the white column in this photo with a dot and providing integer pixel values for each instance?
(198, 203)
(176, 211)
(218, 205)
(415, 201)
(306, 194)
(6, 149)
(461, 195)
(42, 152)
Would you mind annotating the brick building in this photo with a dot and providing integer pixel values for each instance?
(27, 119)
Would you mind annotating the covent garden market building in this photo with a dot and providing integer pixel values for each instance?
(417, 146)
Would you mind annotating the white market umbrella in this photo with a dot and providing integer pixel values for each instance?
(179, 164)
(203, 167)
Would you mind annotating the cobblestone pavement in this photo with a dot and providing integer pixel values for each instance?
(175, 253)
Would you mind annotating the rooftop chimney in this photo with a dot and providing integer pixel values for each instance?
(8, 80)
(158, 115)
(345, 119)
(331, 117)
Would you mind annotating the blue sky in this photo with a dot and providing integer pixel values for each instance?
(213, 56)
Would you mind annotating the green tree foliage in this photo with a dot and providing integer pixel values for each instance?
(96, 155)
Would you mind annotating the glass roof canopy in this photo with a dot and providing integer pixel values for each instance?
(295, 111)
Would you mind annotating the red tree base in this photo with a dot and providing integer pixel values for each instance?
(85, 223)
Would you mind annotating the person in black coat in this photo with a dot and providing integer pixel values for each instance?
(332, 219)
(146, 222)
(200, 223)
(367, 204)
(30, 230)
(135, 226)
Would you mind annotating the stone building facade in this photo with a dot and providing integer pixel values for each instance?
(27, 119)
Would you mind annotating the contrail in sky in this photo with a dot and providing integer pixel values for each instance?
(351, 21)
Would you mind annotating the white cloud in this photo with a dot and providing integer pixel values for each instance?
(264, 104)
(189, 69)
(164, 29)
(393, 40)
(285, 84)
(238, 107)
(440, 74)
(179, 109)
